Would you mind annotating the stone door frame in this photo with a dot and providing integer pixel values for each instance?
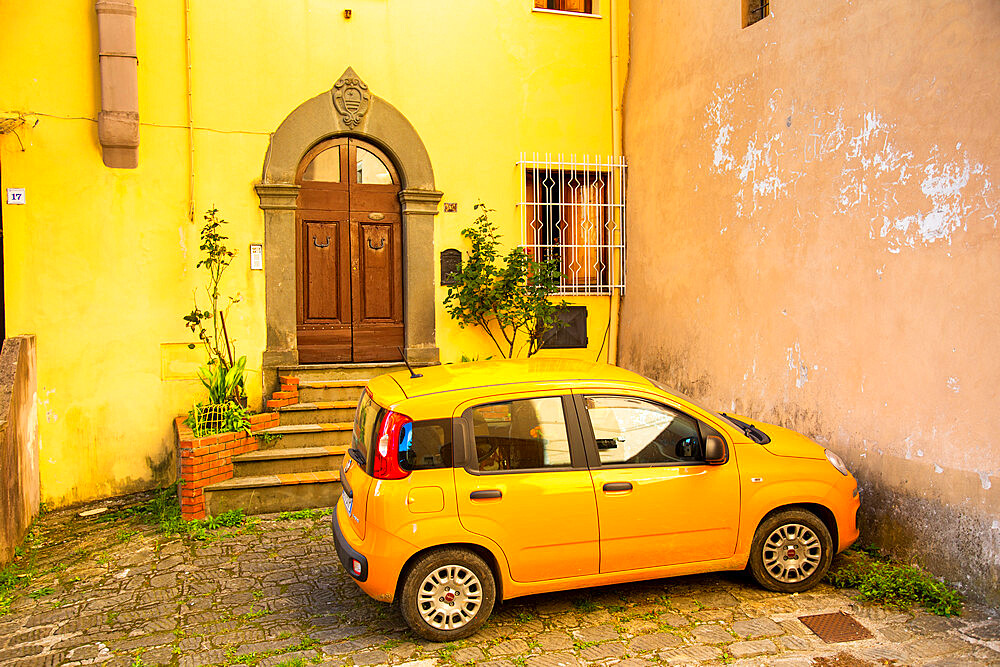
(374, 120)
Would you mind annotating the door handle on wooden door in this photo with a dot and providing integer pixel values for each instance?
(319, 245)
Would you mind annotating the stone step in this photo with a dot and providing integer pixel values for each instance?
(288, 460)
(325, 391)
(319, 412)
(307, 372)
(294, 436)
(322, 391)
(274, 493)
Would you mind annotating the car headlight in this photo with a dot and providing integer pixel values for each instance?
(837, 462)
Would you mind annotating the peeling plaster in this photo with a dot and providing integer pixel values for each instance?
(798, 367)
(875, 171)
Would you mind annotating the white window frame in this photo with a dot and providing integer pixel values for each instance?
(605, 251)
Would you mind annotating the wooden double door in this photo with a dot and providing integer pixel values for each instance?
(349, 268)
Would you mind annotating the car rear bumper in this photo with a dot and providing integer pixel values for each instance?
(348, 555)
(381, 554)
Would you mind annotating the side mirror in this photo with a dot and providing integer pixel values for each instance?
(715, 450)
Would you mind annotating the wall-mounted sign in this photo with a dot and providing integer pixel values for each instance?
(451, 261)
(256, 256)
(16, 196)
(450, 207)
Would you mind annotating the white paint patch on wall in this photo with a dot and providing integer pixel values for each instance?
(953, 384)
(875, 176)
(946, 187)
(799, 369)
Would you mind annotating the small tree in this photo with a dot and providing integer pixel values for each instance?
(508, 297)
(223, 374)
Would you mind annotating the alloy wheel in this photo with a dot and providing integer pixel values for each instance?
(449, 597)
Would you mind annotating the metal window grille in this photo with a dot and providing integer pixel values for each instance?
(573, 210)
(756, 10)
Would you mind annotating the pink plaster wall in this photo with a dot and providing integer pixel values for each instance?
(813, 242)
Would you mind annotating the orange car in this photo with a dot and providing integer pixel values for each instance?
(486, 481)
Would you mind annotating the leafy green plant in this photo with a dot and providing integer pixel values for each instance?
(894, 584)
(507, 296)
(201, 529)
(222, 383)
(223, 375)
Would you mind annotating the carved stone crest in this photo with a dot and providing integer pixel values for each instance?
(351, 98)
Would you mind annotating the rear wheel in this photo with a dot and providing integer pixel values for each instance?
(447, 595)
(791, 551)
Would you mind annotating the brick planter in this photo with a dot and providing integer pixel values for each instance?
(209, 459)
(287, 395)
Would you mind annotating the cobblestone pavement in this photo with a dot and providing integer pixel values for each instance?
(119, 593)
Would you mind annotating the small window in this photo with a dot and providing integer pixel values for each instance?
(577, 6)
(753, 11)
(371, 170)
(425, 445)
(521, 435)
(634, 431)
(574, 212)
(324, 167)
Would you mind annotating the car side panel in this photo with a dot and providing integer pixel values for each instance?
(770, 481)
(405, 522)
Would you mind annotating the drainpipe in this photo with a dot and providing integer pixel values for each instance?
(118, 121)
(190, 106)
(616, 141)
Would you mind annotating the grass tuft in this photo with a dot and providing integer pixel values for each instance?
(893, 584)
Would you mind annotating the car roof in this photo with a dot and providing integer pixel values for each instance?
(457, 377)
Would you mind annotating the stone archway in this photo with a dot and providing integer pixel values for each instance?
(347, 109)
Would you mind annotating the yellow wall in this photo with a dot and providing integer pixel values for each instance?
(100, 263)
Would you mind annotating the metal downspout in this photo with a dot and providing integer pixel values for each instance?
(614, 309)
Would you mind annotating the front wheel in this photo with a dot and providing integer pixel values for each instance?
(791, 551)
(447, 595)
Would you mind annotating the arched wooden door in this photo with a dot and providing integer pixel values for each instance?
(349, 268)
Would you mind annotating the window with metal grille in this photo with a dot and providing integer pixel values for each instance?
(577, 6)
(753, 11)
(574, 211)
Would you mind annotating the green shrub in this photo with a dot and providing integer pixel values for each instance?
(894, 584)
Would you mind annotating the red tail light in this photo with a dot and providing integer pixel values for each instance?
(386, 464)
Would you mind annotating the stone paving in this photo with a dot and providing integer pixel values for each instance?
(119, 593)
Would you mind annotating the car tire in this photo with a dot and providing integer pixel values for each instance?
(424, 601)
(791, 551)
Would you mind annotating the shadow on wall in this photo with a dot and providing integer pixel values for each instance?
(19, 492)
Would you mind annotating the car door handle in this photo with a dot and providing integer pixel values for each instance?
(486, 495)
(611, 487)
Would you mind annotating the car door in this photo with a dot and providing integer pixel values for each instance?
(658, 502)
(525, 485)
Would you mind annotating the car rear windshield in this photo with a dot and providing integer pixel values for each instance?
(366, 422)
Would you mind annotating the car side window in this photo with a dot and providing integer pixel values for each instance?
(520, 435)
(425, 445)
(636, 431)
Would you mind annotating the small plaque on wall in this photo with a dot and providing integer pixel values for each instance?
(451, 262)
